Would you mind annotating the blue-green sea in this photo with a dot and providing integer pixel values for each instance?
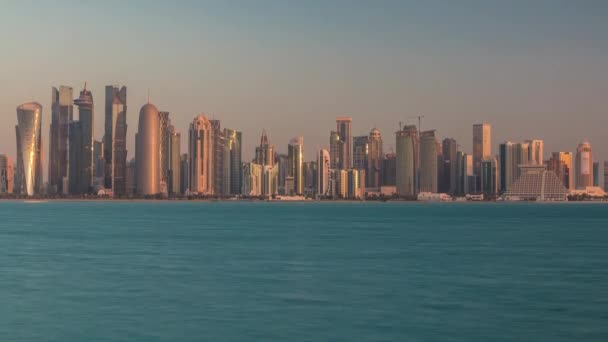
(255, 271)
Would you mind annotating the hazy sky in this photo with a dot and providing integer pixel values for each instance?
(533, 69)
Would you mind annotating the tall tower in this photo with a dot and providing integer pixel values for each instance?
(428, 162)
(6, 175)
(115, 140)
(163, 151)
(296, 164)
(86, 119)
(29, 149)
(200, 150)
(234, 151)
(482, 147)
(147, 146)
(174, 160)
(407, 161)
(536, 152)
(344, 130)
(450, 171)
(360, 152)
(264, 154)
(336, 147)
(374, 160)
(323, 173)
(584, 165)
(61, 114)
(507, 166)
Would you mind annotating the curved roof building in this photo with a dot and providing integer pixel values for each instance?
(29, 148)
(147, 145)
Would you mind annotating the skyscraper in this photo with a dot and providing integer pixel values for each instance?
(606, 176)
(6, 175)
(234, 142)
(560, 163)
(264, 154)
(115, 139)
(28, 179)
(489, 177)
(296, 164)
(86, 118)
(389, 166)
(450, 171)
(336, 147)
(219, 144)
(61, 115)
(324, 172)
(98, 163)
(407, 161)
(584, 165)
(184, 174)
(360, 152)
(147, 151)
(164, 149)
(482, 145)
(374, 160)
(344, 130)
(76, 180)
(596, 174)
(174, 161)
(507, 166)
(428, 162)
(200, 151)
(536, 152)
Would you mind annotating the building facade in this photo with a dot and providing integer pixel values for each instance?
(147, 149)
(407, 146)
(7, 176)
(482, 145)
(428, 162)
(375, 156)
(28, 175)
(115, 140)
(583, 165)
(62, 109)
(200, 151)
(86, 119)
(296, 165)
(324, 172)
(344, 130)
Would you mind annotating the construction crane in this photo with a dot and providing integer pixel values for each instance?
(419, 117)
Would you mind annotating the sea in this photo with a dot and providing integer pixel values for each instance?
(336, 271)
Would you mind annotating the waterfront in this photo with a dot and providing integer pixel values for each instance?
(191, 271)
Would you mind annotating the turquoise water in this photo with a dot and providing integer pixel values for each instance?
(169, 271)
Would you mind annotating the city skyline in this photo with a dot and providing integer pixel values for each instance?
(292, 81)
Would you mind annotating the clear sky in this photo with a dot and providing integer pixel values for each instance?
(533, 69)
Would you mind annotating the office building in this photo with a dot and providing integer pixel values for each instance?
(535, 152)
(375, 159)
(62, 108)
(407, 161)
(131, 178)
(344, 130)
(353, 184)
(428, 162)
(28, 175)
(360, 152)
(77, 182)
(310, 178)
(264, 154)
(389, 170)
(584, 165)
(86, 120)
(98, 163)
(163, 151)
(560, 163)
(482, 145)
(448, 183)
(606, 176)
(489, 177)
(596, 174)
(296, 165)
(7, 181)
(184, 174)
(219, 144)
(234, 156)
(174, 172)
(147, 148)
(283, 161)
(336, 147)
(323, 172)
(115, 139)
(252, 179)
(200, 150)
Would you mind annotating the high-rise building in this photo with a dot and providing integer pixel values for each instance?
(584, 165)
(184, 174)
(374, 160)
(407, 144)
(296, 165)
(234, 156)
(115, 140)
(310, 178)
(596, 174)
(163, 151)
(252, 179)
(482, 145)
(174, 161)
(283, 161)
(200, 150)
(389, 166)
(535, 152)
(264, 154)
(448, 183)
(324, 172)
(466, 176)
(336, 147)
(561, 164)
(428, 162)
(98, 163)
(131, 177)
(77, 182)
(344, 129)
(219, 144)
(507, 164)
(489, 177)
(28, 180)
(147, 149)
(606, 176)
(360, 152)
(86, 118)
(6, 175)
(353, 184)
(62, 109)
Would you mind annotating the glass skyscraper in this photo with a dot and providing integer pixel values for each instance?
(115, 139)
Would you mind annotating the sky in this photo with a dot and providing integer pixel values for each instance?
(532, 69)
